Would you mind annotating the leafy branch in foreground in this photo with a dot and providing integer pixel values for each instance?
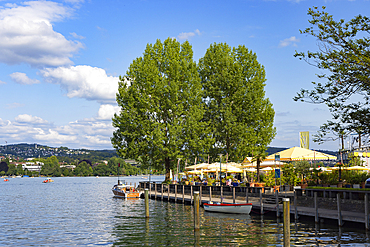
(343, 52)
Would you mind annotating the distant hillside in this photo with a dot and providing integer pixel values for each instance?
(25, 150)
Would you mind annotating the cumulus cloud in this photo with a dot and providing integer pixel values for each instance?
(29, 119)
(183, 36)
(106, 112)
(86, 133)
(27, 34)
(22, 78)
(83, 81)
(289, 41)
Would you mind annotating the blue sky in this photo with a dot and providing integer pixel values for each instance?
(60, 60)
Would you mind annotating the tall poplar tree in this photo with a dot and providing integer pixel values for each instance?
(240, 116)
(161, 107)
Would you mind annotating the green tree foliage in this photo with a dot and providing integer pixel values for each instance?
(289, 175)
(241, 117)
(83, 169)
(11, 169)
(51, 167)
(302, 167)
(161, 107)
(344, 53)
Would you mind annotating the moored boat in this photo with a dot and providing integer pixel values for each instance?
(6, 180)
(122, 190)
(231, 208)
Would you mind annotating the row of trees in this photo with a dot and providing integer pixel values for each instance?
(174, 110)
(51, 167)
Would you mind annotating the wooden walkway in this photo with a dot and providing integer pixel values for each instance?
(347, 216)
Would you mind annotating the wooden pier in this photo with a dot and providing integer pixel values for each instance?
(261, 203)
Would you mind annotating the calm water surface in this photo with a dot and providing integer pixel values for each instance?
(83, 212)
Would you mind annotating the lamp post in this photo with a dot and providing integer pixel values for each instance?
(220, 168)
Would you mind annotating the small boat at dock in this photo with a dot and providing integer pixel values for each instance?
(231, 208)
(121, 190)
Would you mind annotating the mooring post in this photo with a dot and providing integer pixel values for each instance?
(277, 203)
(221, 194)
(155, 187)
(162, 191)
(316, 208)
(366, 201)
(340, 223)
(295, 206)
(168, 192)
(183, 194)
(246, 194)
(233, 194)
(196, 211)
(146, 203)
(261, 203)
(176, 193)
(191, 194)
(210, 193)
(286, 223)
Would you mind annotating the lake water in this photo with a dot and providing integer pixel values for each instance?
(82, 212)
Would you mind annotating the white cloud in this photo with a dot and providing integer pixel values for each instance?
(188, 35)
(29, 119)
(2, 82)
(289, 41)
(76, 36)
(14, 105)
(83, 81)
(27, 34)
(22, 78)
(106, 112)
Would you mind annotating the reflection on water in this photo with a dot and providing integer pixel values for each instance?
(82, 211)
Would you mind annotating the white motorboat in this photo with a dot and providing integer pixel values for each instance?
(231, 208)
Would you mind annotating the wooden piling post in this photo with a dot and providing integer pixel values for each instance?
(277, 203)
(210, 193)
(340, 222)
(183, 194)
(146, 203)
(175, 192)
(155, 187)
(366, 201)
(261, 203)
(233, 194)
(316, 208)
(286, 223)
(246, 195)
(191, 194)
(295, 206)
(200, 194)
(162, 191)
(221, 193)
(196, 211)
(168, 192)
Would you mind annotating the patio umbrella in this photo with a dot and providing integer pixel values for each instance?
(267, 169)
(358, 168)
(297, 153)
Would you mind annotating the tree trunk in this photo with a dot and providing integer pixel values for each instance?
(258, 169)
(167, 166)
